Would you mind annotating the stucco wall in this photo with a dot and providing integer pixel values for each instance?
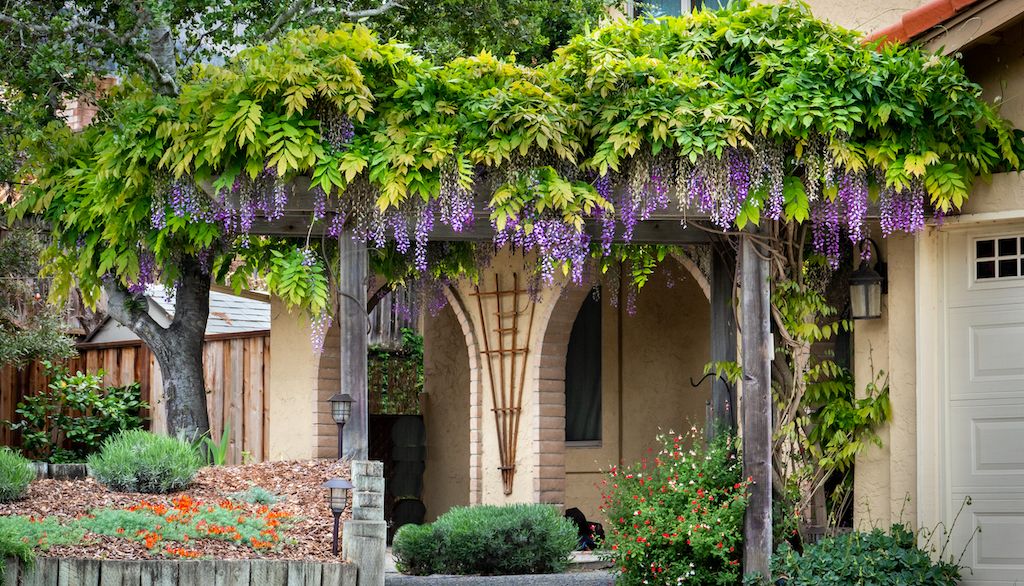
(885, 482)
(866, 15)
(446, 414)
(293, 376)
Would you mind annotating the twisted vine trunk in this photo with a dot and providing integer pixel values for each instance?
(178, 348)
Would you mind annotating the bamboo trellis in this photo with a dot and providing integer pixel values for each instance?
(507, 389)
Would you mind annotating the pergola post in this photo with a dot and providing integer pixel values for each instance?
(723, 341)
(352, 323)
(756, 405)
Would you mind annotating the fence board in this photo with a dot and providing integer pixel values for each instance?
(236, 371)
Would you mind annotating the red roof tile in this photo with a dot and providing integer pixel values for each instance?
(920, 20)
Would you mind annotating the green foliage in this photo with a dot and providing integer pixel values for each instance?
(139, 461)
(396, 376)
(72, 417)
(217, 450)
(511, 539)
(21, 536)
(30, 329)
(256, 495)
(877, 558)
(678, 516)
(744, 76)
(15, 475)
(532, 29)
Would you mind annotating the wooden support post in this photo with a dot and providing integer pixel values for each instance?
(352, 323)
(723, 340)
(757, 407)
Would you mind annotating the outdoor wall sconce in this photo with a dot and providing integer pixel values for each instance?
(337, 498)
(867, 284)
(341, 409)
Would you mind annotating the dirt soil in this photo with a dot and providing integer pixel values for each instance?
(297, 483)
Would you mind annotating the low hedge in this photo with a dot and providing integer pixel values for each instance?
(496, 540)
(877, 558)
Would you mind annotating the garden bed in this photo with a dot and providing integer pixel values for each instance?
(305, 521)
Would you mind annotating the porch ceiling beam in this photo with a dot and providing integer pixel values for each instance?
(654, 231)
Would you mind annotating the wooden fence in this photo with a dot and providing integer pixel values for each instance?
(236, 368)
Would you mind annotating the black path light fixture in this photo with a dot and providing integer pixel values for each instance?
(867, 284)
(341, 410)
(337, 499)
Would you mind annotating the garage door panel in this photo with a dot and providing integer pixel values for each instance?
(986, 353)
(993, 529)
(986, 446)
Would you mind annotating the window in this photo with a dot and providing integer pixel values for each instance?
(657, 8)
(583, 375)
(999, 258)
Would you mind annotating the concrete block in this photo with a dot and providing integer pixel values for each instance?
(364, 543)
(367, 468)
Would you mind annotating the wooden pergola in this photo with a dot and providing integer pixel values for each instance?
(668, 227)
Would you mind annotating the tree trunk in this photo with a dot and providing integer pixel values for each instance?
(178, 348)
(757, 410)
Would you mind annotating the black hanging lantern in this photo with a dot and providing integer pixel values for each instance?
(866, 287)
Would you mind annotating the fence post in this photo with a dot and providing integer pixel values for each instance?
(364, 539)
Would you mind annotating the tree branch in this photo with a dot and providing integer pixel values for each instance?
(131, 311)
(292, 12)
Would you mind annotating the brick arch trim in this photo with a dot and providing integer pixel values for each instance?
(549, 399)
(475, 396)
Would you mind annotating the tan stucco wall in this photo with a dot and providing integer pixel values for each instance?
(665, 343)
(885, 483)
(866, 15)
(293, 375)
(445, 414)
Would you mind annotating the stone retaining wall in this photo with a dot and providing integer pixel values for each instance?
(88, 572)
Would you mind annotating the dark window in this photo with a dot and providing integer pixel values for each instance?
(1008, 247)
(658, 8)
(999, 258)
(583, 375)
(985, 248)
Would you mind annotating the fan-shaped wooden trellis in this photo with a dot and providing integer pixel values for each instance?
(506, 357)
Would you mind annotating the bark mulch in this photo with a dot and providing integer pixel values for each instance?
(296, 483)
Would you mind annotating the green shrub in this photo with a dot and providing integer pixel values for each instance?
(139, 461)
(256, 495)
(678, 515)
(15, 474)
(72, 417)
(876, 558)
(513, 539)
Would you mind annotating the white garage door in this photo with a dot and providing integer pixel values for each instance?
(985, 408)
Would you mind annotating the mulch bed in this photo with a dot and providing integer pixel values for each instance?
(296, 483)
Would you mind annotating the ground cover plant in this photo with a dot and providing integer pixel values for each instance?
(140, 461)
(69, 419)
(212, 518)
(877, 557)
(15, 475)
(501, 540)
(677, 515)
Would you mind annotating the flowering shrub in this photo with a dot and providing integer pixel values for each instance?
(677, 516)
(170, 529)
